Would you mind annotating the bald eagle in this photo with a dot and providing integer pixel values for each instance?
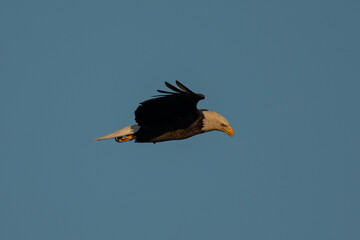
(171, 116)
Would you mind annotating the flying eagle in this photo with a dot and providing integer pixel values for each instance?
(172, 116)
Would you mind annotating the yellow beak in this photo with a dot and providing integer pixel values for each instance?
(229, 131)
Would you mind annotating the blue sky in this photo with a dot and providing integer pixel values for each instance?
(284, 73)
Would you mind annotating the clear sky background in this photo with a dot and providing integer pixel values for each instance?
(286, 74)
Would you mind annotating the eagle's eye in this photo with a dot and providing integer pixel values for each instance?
(223, 125)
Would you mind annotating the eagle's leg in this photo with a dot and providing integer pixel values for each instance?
(125, 138)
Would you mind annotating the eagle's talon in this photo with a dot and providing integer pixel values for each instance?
(124, 138)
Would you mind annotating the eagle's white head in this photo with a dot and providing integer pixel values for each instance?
(214, 121)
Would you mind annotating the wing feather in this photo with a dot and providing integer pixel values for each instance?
(161, 91)
(175, 89)
(176, 110)
(183, 87)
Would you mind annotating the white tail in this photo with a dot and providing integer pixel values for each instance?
(121, 132)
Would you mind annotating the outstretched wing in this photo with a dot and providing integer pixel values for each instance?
(174, 109)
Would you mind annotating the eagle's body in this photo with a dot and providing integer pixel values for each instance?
(171, 132)
(172, 116)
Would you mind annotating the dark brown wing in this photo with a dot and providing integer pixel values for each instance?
(172, 111)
